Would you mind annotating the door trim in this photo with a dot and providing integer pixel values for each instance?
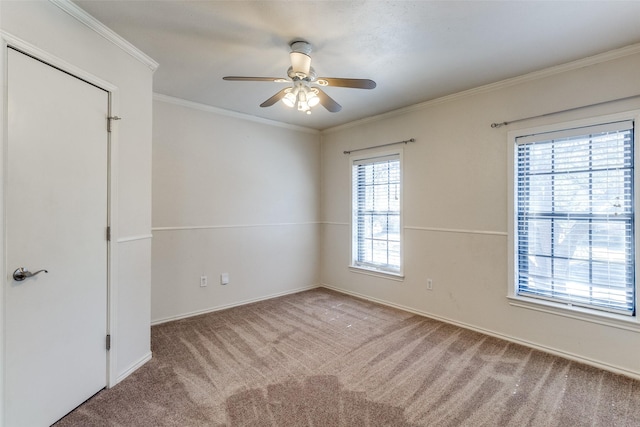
(7, 40)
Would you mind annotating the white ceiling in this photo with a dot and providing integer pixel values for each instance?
(414, 50)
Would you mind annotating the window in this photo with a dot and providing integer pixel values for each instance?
(376, 221)
(574, 219)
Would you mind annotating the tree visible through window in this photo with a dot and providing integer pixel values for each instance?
(376, 213)
(574, 222)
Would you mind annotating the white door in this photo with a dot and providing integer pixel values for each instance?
(56, 218)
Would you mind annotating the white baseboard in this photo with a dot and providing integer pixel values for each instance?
(144, 359)
(550, 350)
(235, 304)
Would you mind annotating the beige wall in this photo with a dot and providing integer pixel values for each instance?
(455, 207)
(230, 195)
(56, 33)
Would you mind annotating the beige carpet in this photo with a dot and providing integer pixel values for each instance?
(320, 358)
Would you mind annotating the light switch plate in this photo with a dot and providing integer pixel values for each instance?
(224, 279)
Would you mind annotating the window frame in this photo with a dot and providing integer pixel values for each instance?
(364, 269)
(557, 307)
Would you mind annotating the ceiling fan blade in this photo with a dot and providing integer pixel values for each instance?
(352, 83)
(328, 102)
(275, 98)
(256, 79)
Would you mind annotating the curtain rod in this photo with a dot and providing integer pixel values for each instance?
(497, 125)
(383, 145)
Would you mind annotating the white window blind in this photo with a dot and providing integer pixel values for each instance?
(575, 217)
(376, 213)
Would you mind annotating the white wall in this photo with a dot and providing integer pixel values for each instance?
(230, 195)
(56, 33)
(455, 206)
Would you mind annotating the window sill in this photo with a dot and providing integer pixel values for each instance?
(377, 273)
(629, 323)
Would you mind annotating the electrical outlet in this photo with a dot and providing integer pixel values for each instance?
(224, 279)
(203, 281)
(429, 284)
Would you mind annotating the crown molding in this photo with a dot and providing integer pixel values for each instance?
(44, 56)
(529, 77)
(221, 111)
(76, 12)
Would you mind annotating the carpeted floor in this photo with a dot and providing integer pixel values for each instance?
(320, 358)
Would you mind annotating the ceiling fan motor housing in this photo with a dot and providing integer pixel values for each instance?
(301, 46)
(309, 76)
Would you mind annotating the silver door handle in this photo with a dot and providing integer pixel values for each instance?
(20, 274)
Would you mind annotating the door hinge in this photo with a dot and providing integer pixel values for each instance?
(108, 342)
(108, 234)
(110, 119)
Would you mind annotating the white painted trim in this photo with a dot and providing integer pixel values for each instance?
(550, 350)
(3, 230)
(529, 77)
(215, 227)
(618, 321)
(381, 274)
(226, 306)
(112, 290)
(221, 111)
(54, 61)
(144, 359)
(134, 238)
(98, 27)
(458, 230)
(436, 229)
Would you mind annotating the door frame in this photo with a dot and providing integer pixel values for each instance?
(7, 40)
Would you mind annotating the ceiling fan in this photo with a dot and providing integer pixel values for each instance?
(301, 94)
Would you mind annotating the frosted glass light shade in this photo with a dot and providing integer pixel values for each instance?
(312, 99)
(300, 63)
(289, 99)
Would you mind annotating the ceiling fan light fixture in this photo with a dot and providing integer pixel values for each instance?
(302, 99)
(289, 100)
(301, 63)
(301, 95)
(312, 98)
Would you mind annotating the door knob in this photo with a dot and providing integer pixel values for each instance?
(20, 274)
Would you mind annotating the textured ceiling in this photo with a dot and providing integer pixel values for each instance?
(414, 50)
